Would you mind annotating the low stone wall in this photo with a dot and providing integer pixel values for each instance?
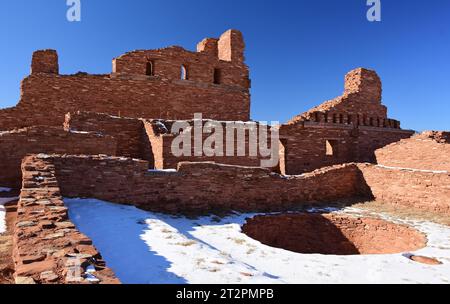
(199, 187)
(424, 190)
(333, 234)
(426, 151)
(309, 145)
(16, 144)
(128, 132)
(162, 138)
(47, 246)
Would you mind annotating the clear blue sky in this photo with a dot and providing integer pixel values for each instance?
(298, 50)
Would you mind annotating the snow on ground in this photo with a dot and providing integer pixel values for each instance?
(3, 201)
(146, 247)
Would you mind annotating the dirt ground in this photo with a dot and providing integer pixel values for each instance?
(6, 262)
(404, 212)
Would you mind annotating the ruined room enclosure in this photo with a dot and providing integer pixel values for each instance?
(204, 188)
(330, 234)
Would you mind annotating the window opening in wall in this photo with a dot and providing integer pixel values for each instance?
(331, 147)
(217, 76)
(184, 73)
(316, 117)
(149, 71)
(283, 155)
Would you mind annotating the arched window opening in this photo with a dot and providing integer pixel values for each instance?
(184, 73)
(331, 147)
(150, 68)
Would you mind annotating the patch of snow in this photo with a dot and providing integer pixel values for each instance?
(163, 171)
(79, 132)
(146, 247)
(90, 275)
(413, 170)
(2, 189)
(3, 201)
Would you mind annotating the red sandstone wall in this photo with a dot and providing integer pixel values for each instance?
(14, 145)
(216, 87)
(46, 242)
(199, 187)
(305, 144)
(359, 105)
(149, 98)
(412, 189)
(427, 151)
(127, 131)
(370, 139)
(162, 140)
(333, 234)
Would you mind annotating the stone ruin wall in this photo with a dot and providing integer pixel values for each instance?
(217, 85)
(146, 85)
(333, 234)
(199, 187)
(15, 145)
(151, 140)
(46, 242)
(127, 132)
(353, 126)
(417, 190)
(426, 151)
(413, 173)
(162, 139)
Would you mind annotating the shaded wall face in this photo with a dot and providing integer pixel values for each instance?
(312, 146)
(369, 140)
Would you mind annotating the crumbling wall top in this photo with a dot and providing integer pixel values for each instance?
(45, 61)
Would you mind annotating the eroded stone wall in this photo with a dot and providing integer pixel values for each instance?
(163, 141)
(308, 146)
(333, 234)
(144, 84)
(426, 151)
(419, 190)
(199, 187)
(16, 144)
(346, 129)
(47, 247)
(128, 132)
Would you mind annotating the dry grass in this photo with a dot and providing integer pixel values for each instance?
(404, 212)
(187, 244)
